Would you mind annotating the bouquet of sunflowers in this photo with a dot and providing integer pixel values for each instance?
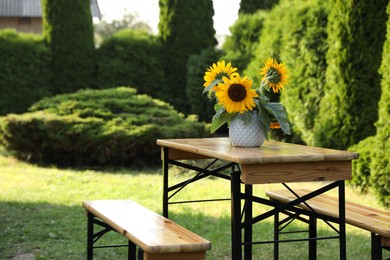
(236, 95)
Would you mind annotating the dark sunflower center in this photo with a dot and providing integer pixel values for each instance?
(274, 76)
(237, 92)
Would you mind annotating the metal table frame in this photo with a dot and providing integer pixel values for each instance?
(242, 217)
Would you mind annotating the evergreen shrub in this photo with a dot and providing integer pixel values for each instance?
(196, 67)
(68, 31)
(251, 6)
(96, 127)
(349, 109)
(131, 58)
(241, 44)
(380, 170)
(372, 170)
(24, 71)
(304, 53)
(185, 28)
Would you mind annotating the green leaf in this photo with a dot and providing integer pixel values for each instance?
(209, 87)
(277, 110)
(220, 118)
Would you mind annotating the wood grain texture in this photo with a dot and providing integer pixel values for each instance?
(269, 152)
(370, 219)
(175, 256)
(296, 172)
(145, 228)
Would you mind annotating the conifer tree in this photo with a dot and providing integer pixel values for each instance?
(185, 28)
(348, 111)
(251, 6)
(68, 30)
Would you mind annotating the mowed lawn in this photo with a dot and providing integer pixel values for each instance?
(41, 213)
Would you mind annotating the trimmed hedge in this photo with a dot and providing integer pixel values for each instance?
(24, 69)
(95, 127)
(131, 58)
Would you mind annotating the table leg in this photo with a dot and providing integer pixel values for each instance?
(248, 219)
(236, 215)
(342, 229)
(165, 180)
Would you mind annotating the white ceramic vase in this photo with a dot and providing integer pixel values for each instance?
(246, 133)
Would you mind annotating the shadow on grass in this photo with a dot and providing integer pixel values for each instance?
(59, 232)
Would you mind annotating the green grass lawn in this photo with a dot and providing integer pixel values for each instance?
(40, 212)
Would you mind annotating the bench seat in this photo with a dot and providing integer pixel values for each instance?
(158, 237)
(373, 220)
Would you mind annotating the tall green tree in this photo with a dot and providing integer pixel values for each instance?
(68, 30)
(251, 6)
(240, 46)
(381, 162)
(348, 110)
(186, 28)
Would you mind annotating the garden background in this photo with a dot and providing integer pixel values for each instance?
(69, 101)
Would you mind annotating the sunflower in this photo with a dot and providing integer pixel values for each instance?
(275, 74)
(218, 71)
(235, 94)
(274, 125)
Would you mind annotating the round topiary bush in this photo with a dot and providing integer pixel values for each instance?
(96, 127)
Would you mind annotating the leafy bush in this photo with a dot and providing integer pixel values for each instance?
(131, 58)
(24, 70)
(196, 67)
(95, 127)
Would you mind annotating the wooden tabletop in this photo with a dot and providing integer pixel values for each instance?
(272, 162)
(269, 152)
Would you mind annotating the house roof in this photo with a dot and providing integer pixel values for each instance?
(32, 8)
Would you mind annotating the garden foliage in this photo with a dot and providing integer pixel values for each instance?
(197, 65)
(185, 28)
(251, 6)
(348, 110)
(24, 71)
(304, 52)
(131, 58)
(68, 31)
(241, 44)
(95, 127)
(372, 170)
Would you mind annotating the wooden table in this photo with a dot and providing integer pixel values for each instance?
(273, 162)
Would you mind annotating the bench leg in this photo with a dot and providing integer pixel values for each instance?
(131, 251)
(312, 234)
(90, 236)
(276, 236)
(376, 248)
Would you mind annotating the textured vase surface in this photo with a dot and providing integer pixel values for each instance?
(246, 134)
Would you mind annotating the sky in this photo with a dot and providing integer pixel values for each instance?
(226, 12)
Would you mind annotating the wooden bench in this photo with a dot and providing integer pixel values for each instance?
(373, 220)
(158, 237)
